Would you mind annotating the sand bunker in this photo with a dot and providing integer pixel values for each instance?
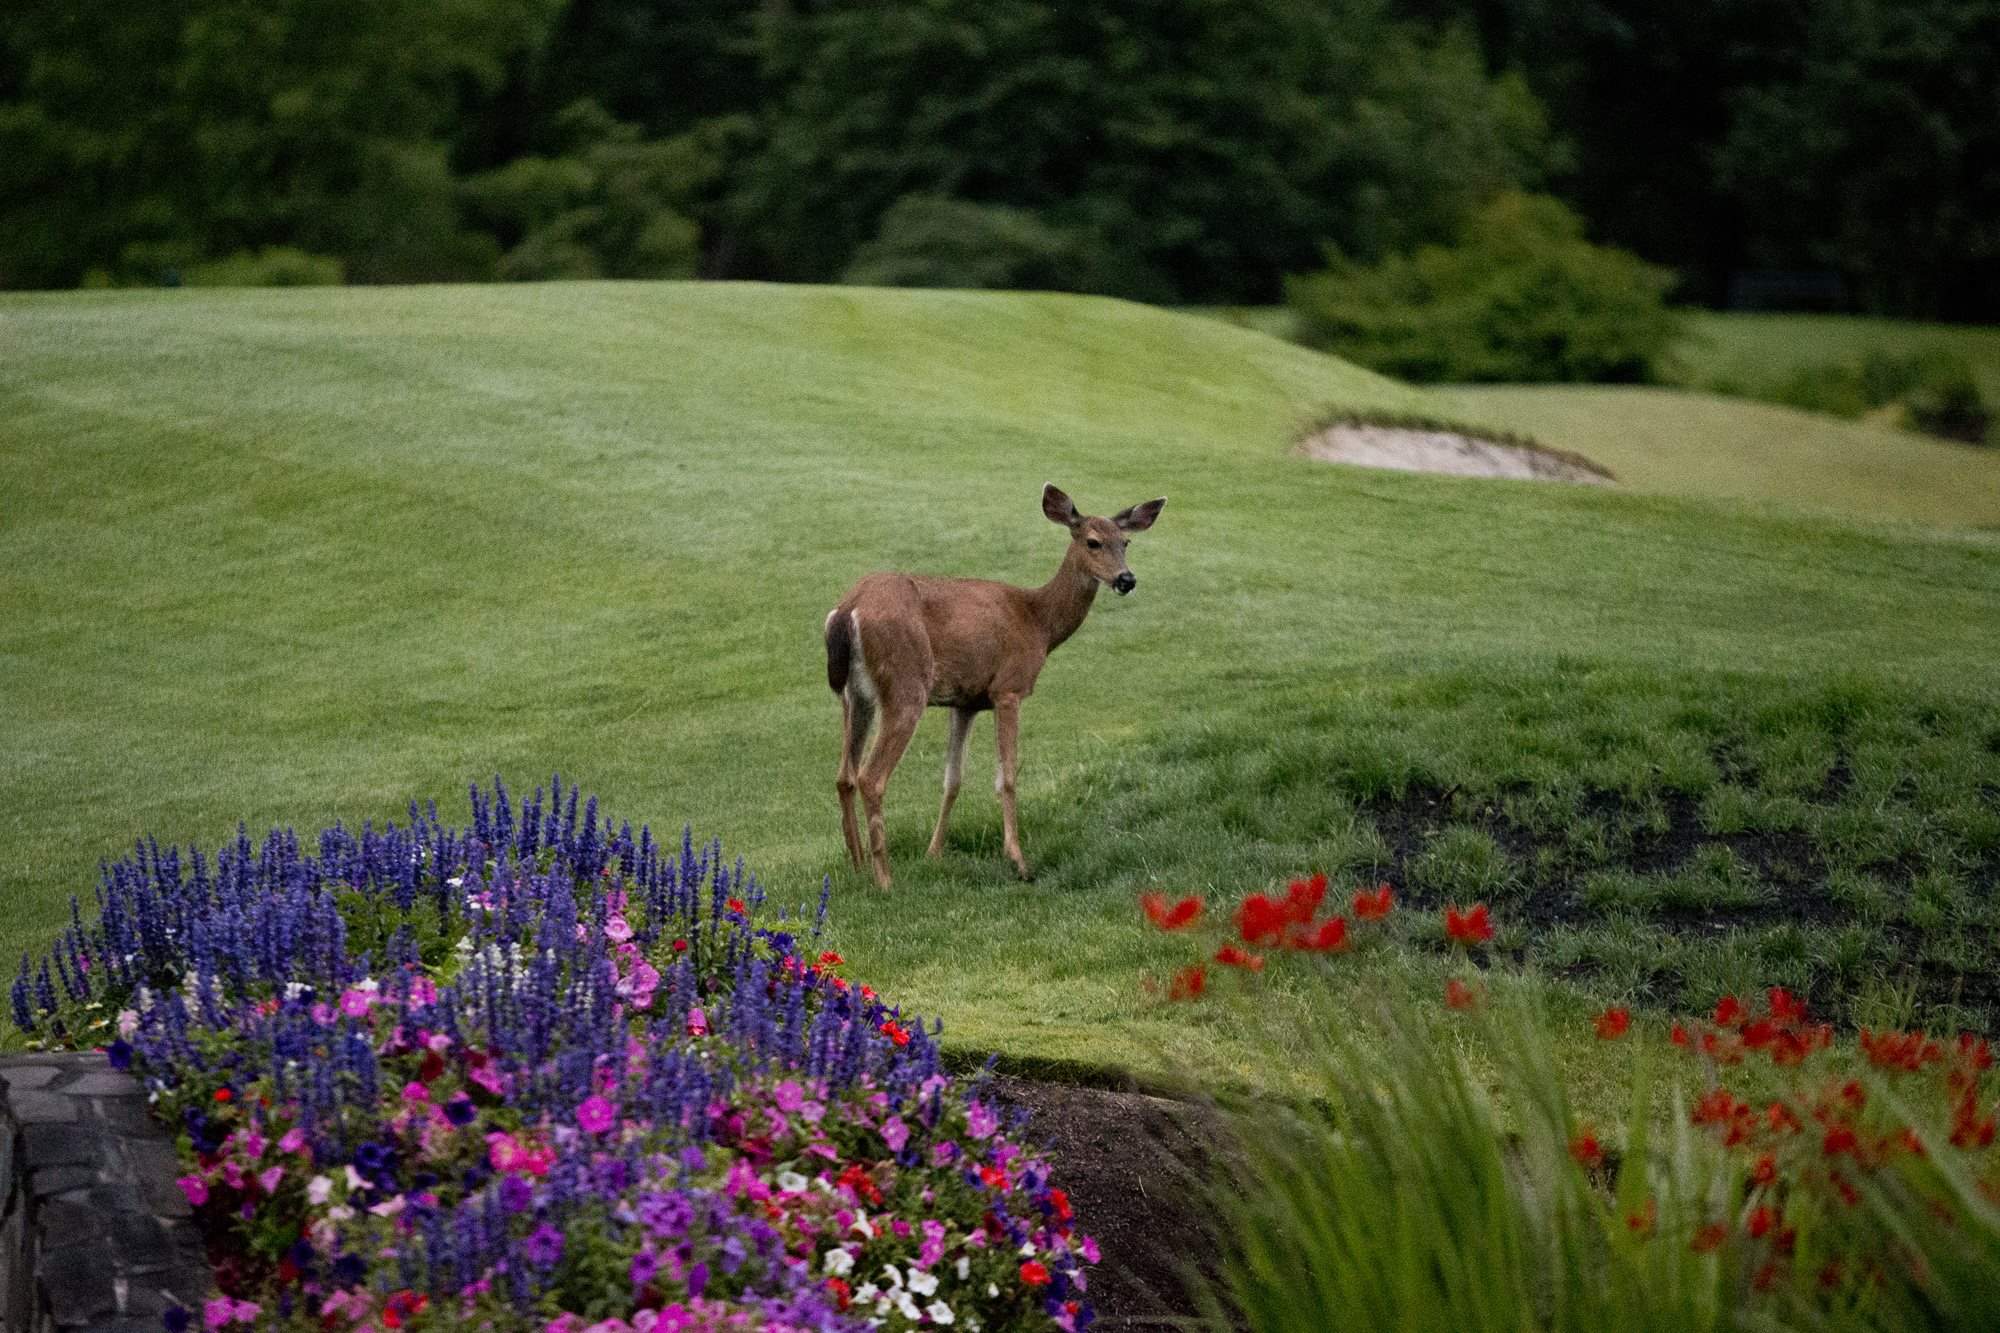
(1413, 449)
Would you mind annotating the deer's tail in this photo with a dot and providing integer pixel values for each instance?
(839, 649)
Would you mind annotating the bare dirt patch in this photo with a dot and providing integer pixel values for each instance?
(1454, 453)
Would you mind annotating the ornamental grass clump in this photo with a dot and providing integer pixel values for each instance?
(1440, 1177)
(539, 1075)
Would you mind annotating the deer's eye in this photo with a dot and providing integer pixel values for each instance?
(1094, 544)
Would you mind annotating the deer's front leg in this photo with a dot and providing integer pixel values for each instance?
(954, 769)
(1007, 737)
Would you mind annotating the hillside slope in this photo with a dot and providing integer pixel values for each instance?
(288, 557)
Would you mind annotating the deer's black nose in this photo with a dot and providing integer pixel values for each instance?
(1124, 583)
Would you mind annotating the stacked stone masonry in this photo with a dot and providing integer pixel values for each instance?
(94, 1234)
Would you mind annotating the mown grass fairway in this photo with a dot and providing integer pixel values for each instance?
(297, 556)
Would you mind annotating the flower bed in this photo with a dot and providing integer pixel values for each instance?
(537, 1074)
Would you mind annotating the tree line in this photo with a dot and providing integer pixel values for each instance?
(1168, 150)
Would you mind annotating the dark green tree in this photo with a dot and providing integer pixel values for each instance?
(1210, 145)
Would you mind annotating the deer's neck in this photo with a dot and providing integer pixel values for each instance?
(1061, 604)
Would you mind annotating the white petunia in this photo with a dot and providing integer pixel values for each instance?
(923, 1283)
(963, 1267)
(908, 1308)
(939, 1312)
(992, 1290)
(839, 1262)
(791, 1182)
(866, 1292)
(894, 1274)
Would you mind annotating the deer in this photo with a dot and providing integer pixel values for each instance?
(899, 643)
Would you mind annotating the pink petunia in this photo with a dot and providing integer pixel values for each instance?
(596, 1115)
(697, 1022)
(195, 1188)
(618, 929)
(269, 1178)
(979, 1121)
(354, 1003)
(293, 1141)
(895, 1133)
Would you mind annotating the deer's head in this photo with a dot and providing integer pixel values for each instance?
(1097, 545)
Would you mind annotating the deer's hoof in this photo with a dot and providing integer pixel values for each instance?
(1023, 871)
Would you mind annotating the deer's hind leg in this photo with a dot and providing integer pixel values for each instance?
(857, 716)
(899, 722)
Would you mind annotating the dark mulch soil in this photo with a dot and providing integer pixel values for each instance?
(1135, 1167)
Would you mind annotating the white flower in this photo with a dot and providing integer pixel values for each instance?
(992, 1290)
(963, 1267)
(894, 1275)
(907, 1307)
(1027, 1251)
(317, 1190)
(939, 1312)
(354, 1179)
(791, 1182)
(867, 1291)
(863, 1225)
(923, 1283)
(839, 1262)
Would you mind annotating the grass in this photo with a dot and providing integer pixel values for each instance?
(1680, 442)
(288, 557)
(1756, 353)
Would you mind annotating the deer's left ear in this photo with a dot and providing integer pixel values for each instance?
(1139, 517)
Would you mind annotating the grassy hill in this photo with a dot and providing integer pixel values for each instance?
(288, 557)
(1679, 442)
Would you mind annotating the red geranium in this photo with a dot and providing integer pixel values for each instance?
(1471, 927)
(1373, 906)
(1458, 995)
(1231, 956)
(1183, 913)
(1188, 983)
(1261, 920)
(1034, 1274)
(1613, 1023)
(1331, 937)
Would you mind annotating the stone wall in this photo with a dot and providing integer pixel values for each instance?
(94, 1234)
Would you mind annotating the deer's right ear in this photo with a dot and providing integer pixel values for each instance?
(1058, 507)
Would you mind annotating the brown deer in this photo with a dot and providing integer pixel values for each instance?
(899, 643)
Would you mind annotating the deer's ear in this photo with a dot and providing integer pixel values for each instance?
(1059, 508)
(1139, 517)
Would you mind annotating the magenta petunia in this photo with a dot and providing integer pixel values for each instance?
(195, 1188)
(596, 1114)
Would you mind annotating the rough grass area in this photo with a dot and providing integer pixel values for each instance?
(296, 556)
(1754, 353)
(1678, 442)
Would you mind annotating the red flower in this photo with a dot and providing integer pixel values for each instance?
(1588, 1152)
(1642, 1222)
(1728, 1011)
(1679, 1036)
(841, 1291)
(1303, 897)
(1779, 1116)
(1762, 1219)
(830, 959)
(1765, 1171)
(224, 1094)
(1613, 1023)
(1059, 1205)
(1183, 913)
(1331, 937)
(1373, 906)
(1468, 927)
(736, 905)
(994, 1177)
(1785, 1007)
(1458, 995)
(1034, 1274)
(1231, 956)
(1188, 983)
(680, 946)
(895, 1031)
(1261, 920)
(1709, 1237)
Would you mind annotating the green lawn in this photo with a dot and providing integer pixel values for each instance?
(1680, 442)
(1756, 353)
(288, 557)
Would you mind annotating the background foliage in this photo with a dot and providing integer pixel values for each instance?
(1191, 150)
